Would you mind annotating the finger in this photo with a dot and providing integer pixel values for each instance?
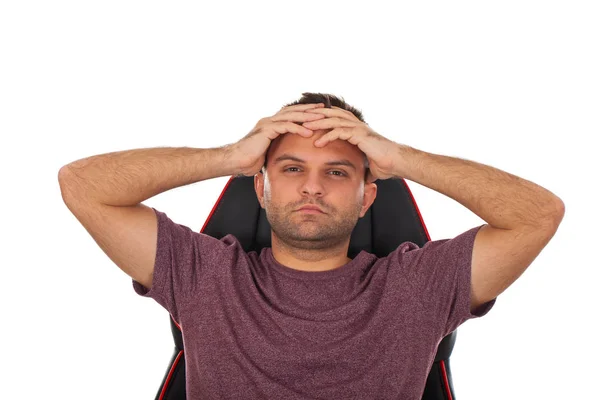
(301, 107)
(341, 133)
(329, 123)
(290, 127)
(297, 117)
(334, 112)
(370, 177)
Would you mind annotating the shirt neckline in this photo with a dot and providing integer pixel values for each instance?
(345, 269)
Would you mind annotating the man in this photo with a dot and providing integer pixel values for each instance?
(301, 319)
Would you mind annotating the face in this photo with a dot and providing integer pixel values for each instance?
(339, 190)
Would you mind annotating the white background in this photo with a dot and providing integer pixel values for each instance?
(511, 84)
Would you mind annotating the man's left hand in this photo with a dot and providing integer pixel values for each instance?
(381, 152)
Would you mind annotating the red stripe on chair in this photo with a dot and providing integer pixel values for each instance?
(217, 203)
(164, 389)
(417, 208)
(445, 376)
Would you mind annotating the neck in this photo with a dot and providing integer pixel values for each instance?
(314, 259)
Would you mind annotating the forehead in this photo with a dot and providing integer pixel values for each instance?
(298, 148)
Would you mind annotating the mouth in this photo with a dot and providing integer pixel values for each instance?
(311, 210)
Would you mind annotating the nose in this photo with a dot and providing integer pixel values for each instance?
(313, 184)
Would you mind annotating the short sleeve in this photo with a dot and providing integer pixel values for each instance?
(439, 274)
(183, 258)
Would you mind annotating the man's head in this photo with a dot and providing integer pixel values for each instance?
(328, 100)
(297, 173)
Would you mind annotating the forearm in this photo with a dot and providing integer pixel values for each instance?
(501, 199)
(129, 177)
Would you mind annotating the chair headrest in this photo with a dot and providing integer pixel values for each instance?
(392, 219)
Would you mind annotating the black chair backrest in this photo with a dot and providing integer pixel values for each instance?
(392, 219)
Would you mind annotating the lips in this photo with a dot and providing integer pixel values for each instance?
(310, 207)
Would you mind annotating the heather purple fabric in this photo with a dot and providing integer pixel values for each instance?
(256, 329)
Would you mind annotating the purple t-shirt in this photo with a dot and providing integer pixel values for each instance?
(256, 329)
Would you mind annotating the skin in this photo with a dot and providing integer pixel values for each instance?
(313, 242)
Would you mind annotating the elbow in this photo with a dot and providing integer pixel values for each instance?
(555, 215)
(63, 173)
(560, 210)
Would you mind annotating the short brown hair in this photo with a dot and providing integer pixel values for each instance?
(329, 100)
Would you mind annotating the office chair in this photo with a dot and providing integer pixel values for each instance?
(392, 219)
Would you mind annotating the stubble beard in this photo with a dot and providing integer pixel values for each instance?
(310, 231)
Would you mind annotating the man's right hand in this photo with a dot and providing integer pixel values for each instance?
(249, 153)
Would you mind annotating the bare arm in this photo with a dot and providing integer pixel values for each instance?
(503, 200)
(105, 192)
(521, 216)
(127, 178)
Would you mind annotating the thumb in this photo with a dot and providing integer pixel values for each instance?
(370, 177)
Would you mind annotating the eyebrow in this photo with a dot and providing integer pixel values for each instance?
(333, 162)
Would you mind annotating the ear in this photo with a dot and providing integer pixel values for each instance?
(369, 197)
(259, 187)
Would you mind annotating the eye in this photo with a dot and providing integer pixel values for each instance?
(341, 173)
